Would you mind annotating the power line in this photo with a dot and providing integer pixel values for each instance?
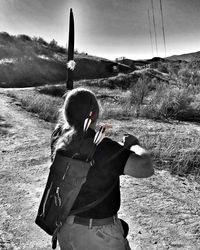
(163, 28)
(150, 33)
(154, 25)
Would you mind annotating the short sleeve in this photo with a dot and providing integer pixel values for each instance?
(54, 137)
(113, 155)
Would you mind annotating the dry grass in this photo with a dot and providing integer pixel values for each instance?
(46, 107)
(174, 146)
(175, 150)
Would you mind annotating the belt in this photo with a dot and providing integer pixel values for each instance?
(94, 222)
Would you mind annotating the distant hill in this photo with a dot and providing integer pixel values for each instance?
(186, 57)
(26, 61)
(135, 64)
(178, 58)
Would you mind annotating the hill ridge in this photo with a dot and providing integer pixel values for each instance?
(26, 61)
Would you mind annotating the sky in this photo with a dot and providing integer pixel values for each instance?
(107, 28)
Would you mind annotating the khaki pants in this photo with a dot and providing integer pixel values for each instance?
(79, 237)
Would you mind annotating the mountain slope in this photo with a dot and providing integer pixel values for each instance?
(186, 57)
(26, 61)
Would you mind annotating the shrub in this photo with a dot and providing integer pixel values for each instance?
(186, 162)
(120, 81)
(173, 68)
(177, 152)
(5, 37)
(54, 46)
(44, 106)
(171, 104)
(185, 77)
(163, 68)
(24, 38)
(176, 105)
(138, 92)
(150, 111)
(41, 40)
(53, 90)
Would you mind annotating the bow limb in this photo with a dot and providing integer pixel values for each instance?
(70, 51)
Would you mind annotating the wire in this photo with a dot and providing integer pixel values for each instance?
(150, 33)
(163, 28)
(154, 25)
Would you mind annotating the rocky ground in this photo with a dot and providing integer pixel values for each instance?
(162, 211)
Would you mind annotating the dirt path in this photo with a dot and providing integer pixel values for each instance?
(24, 161)
(162, 211)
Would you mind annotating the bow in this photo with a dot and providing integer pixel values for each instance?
(70, 64)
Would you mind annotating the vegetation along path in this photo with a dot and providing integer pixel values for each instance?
(162, 211)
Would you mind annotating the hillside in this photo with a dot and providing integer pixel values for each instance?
(177, 59)
(26, 61)
(134, 64)
(186, 57)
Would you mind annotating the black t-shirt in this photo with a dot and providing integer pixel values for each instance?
(109, 161)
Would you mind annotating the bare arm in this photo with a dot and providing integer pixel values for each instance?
(139, 163)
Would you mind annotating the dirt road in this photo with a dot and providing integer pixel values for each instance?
(162, 211)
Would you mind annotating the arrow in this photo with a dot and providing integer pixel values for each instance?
(87, 122)
(99, 136)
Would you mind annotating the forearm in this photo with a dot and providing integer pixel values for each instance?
(138, 150)
(139, 163)
(145, 166)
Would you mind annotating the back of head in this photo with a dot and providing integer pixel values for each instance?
(77, 106)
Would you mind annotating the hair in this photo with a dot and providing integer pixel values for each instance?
(78, 104)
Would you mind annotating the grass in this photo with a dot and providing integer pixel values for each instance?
(53, 90)
(46, 107)
(176, 151)
(174, 146)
